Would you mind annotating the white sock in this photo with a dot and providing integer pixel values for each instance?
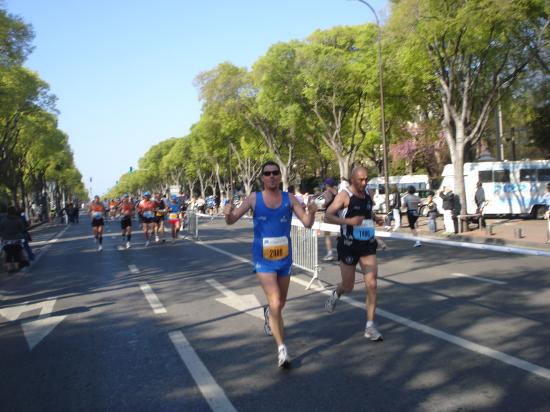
(369, 323)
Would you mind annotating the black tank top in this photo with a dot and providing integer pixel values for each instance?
(358, 207)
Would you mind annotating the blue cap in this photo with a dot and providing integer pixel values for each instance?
(330, 182)
(174, 197)
(146, 193)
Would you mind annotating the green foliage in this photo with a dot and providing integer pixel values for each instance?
(34, 153)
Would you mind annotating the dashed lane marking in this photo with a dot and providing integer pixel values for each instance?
(212, 392)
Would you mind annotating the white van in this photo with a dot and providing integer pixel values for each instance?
(377, 190)
(511, 188)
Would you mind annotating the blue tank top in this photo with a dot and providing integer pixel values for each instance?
(271, 245)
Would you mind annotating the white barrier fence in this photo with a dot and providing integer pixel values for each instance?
(305, 247)
(305, 242)
(193, 225)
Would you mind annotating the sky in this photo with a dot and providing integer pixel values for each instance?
(123, 70)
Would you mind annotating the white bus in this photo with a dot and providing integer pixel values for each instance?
(377, 190)
(511, 188)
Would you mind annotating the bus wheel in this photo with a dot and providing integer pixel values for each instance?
(538, 212)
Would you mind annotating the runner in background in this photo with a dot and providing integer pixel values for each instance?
(97, 211)
(126, 210)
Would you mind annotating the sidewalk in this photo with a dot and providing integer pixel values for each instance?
(505, 232)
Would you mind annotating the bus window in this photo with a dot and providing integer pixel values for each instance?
(485, 176)
(528, 175)
(501, 176)
(544, 175)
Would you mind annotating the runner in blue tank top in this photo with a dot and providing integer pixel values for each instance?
(271, 248)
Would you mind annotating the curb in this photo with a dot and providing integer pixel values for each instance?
(496, 244)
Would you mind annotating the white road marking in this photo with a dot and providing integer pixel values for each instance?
(243, 303)
(37, 329)
(212, 392)
(231, 255)
(464, 343)
(480, 278)
(133, 269)
(152, 298)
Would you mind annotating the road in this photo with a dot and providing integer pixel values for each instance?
(178, 327)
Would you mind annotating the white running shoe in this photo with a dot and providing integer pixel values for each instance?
(330, 304)
(147, 243)
(328, 257)
(371, 333)
(157, 239)
(283, 358)
(417, 243)
(99, 248)
(127, 245)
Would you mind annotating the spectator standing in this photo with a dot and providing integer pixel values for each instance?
(328, 196)
(432, 214)
(13, 233)
(396, 208)
(448, 198)
(479, 198)
(412, 203)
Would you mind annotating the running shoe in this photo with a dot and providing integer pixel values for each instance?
(127, 245)
(157, 239)
(283, 358)
(99, 248)
(147, 243)
(328, 257)
(267, 328)
(371, 333)
(330, 304)
(417, 243)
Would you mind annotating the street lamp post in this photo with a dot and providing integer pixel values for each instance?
(382, 120)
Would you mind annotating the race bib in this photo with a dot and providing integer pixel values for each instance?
(98, 215)
(365, 231)
(275, 248)
(148, 214)
(173, 216)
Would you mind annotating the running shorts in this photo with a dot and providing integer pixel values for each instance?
(349, 252)
(281, 270)
(98, 222)
(125, 222)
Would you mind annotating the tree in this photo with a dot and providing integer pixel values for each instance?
(341, 85)
(472, 51)
(274, 105)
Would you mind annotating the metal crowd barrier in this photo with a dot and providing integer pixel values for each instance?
(305, 253)
(193, 225)
(305, 243)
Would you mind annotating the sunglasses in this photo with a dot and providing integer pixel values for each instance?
(271, 173)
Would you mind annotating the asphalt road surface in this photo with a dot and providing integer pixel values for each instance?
(179, 327)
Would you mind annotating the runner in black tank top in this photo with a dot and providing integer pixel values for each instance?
(352, 210)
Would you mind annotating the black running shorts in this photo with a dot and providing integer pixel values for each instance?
(125, 222)
(349, 254)
(98, 222)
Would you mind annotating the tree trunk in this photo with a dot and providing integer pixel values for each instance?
(344, 165)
